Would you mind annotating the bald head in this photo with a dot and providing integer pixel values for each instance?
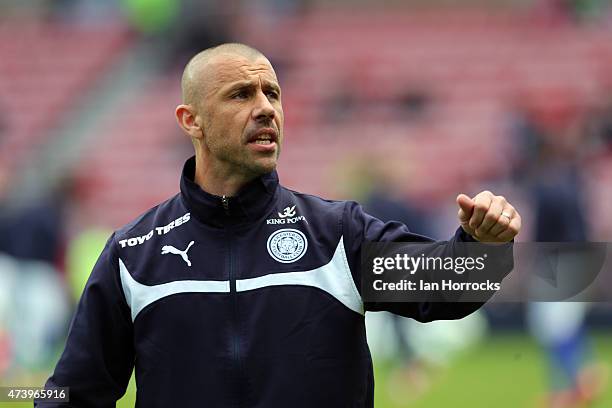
(191, 82)
(233, 113)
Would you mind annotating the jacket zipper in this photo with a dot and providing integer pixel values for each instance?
(235, 340)
(225, 204)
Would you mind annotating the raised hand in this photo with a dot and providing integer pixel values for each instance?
(488, 218)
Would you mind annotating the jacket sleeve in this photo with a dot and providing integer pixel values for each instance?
(360, 227)
(98, 359)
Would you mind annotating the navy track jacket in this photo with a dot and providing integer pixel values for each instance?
(248, 301)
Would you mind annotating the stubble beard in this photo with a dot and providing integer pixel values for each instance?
(237, 160)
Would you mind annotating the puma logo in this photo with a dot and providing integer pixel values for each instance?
(287, 212)
(169, 249)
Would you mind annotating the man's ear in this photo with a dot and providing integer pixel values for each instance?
(188, 121)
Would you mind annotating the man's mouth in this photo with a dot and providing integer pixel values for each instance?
(265, 136)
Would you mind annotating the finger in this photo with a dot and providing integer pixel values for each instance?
(482, 202)
(465, 203)
(465, 225)
(466, 207)
(513, 228)
(503, 221)
(492, 216)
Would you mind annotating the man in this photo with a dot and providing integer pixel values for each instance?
(238, 291)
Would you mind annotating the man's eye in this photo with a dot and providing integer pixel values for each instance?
(272, 94)
(240, 95)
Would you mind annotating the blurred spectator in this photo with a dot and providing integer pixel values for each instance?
(33, 308)
(36, 229)
(560, 327)
(559, 210)
(33, 304)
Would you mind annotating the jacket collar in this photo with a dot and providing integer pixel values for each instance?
(251, 203)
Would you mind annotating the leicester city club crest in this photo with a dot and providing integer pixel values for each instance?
(287, 245)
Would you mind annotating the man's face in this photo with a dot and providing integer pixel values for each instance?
(241, 115)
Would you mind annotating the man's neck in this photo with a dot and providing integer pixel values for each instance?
(218, 182)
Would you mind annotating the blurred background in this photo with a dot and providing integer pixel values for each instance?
(400, 105)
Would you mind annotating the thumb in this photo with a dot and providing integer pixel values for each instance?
(466, 208)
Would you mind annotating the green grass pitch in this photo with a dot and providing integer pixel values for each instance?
(502, 371)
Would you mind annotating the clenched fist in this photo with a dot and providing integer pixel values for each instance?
(488, 218)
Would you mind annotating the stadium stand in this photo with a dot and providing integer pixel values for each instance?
(44, 68)
(468, 66)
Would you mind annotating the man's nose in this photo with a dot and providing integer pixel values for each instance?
(263, 111)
